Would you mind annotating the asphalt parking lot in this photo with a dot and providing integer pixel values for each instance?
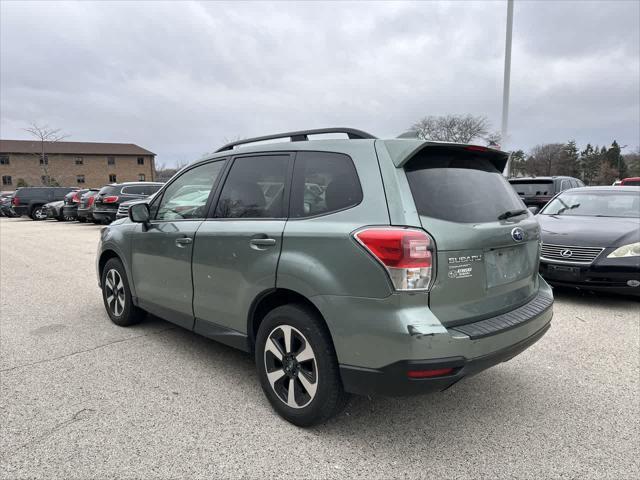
(83, 398)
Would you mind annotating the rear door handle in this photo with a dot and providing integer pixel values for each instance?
(262, 242)
(183, 241)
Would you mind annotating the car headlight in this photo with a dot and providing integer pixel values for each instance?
(631, 250)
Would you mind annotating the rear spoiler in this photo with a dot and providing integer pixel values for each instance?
(402, 150)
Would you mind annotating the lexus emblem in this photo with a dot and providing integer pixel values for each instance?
(566, 253)
(517, 234)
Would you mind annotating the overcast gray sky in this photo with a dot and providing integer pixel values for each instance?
(179, 78)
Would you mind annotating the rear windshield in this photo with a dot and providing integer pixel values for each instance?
(109, 190)
(460, 187)
(533, 187)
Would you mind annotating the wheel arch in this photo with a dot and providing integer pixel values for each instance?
(273, 298)
(105, 256)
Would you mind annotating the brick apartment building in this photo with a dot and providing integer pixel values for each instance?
(71, 164)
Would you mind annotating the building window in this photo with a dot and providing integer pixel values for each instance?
(141, 177)
(44, 159)
(4, 159)
(6, 179)
(140, 160)
(80, 178)
(79, 161)
(111, 160)
(112, 178)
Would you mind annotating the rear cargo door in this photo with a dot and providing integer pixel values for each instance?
(487, 242)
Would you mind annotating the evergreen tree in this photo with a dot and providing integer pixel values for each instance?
(568, 163)
(590, 163)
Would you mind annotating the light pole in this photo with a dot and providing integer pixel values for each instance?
(507, 80)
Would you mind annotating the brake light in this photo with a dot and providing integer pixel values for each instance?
(110, 199)
(91, 200)
(438, 372)
(15, 201)
(476, 148)
(406, 254)
(75, 198)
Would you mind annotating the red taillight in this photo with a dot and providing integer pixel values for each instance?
(438, 372)
(91, 200)
(477, 148)
(15, 201)
(75, 198)
(110, 199)
(407, 254)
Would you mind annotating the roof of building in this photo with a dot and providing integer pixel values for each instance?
(77, 148)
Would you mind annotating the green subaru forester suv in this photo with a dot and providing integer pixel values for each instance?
(354, 265)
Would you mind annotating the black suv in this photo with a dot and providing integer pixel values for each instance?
(108, 199)
(537, 191)
(30, 200)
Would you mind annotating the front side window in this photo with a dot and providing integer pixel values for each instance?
(112, 178)
(254, 188)
(6, 180)
(187, 196)
(323, 182)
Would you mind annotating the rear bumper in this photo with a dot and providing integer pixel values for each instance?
(104, 215)
(21, 210)
(70, 211)
(84, 213)
(377, 341)
(392, 380)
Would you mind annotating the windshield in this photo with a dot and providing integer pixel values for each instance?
(532, 187)
(595, 204)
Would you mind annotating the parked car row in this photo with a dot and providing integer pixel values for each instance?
(102, 205)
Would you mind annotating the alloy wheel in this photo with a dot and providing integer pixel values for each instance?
(114, 292)
(40, 214)
(291, 366)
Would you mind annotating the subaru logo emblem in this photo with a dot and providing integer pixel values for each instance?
(566, 253)
(517, 234)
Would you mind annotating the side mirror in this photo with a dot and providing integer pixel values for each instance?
(139, 213)
(534, 210)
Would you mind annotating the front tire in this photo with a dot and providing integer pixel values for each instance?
(116, 295)
(297, 366)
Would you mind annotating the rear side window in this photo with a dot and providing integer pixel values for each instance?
(254, 188)
(323, 182)
(459, 187)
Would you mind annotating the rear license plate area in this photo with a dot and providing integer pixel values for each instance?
(507, 265)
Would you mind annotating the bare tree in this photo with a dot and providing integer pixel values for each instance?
(455, 128)
(45, 136)
(545, 159)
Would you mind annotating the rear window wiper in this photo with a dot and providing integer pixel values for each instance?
(511, 213)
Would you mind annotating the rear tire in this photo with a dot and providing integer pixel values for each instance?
(116, 295)
(38, 213)
(297, 366)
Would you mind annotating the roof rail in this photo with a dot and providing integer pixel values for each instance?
(300, 136)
